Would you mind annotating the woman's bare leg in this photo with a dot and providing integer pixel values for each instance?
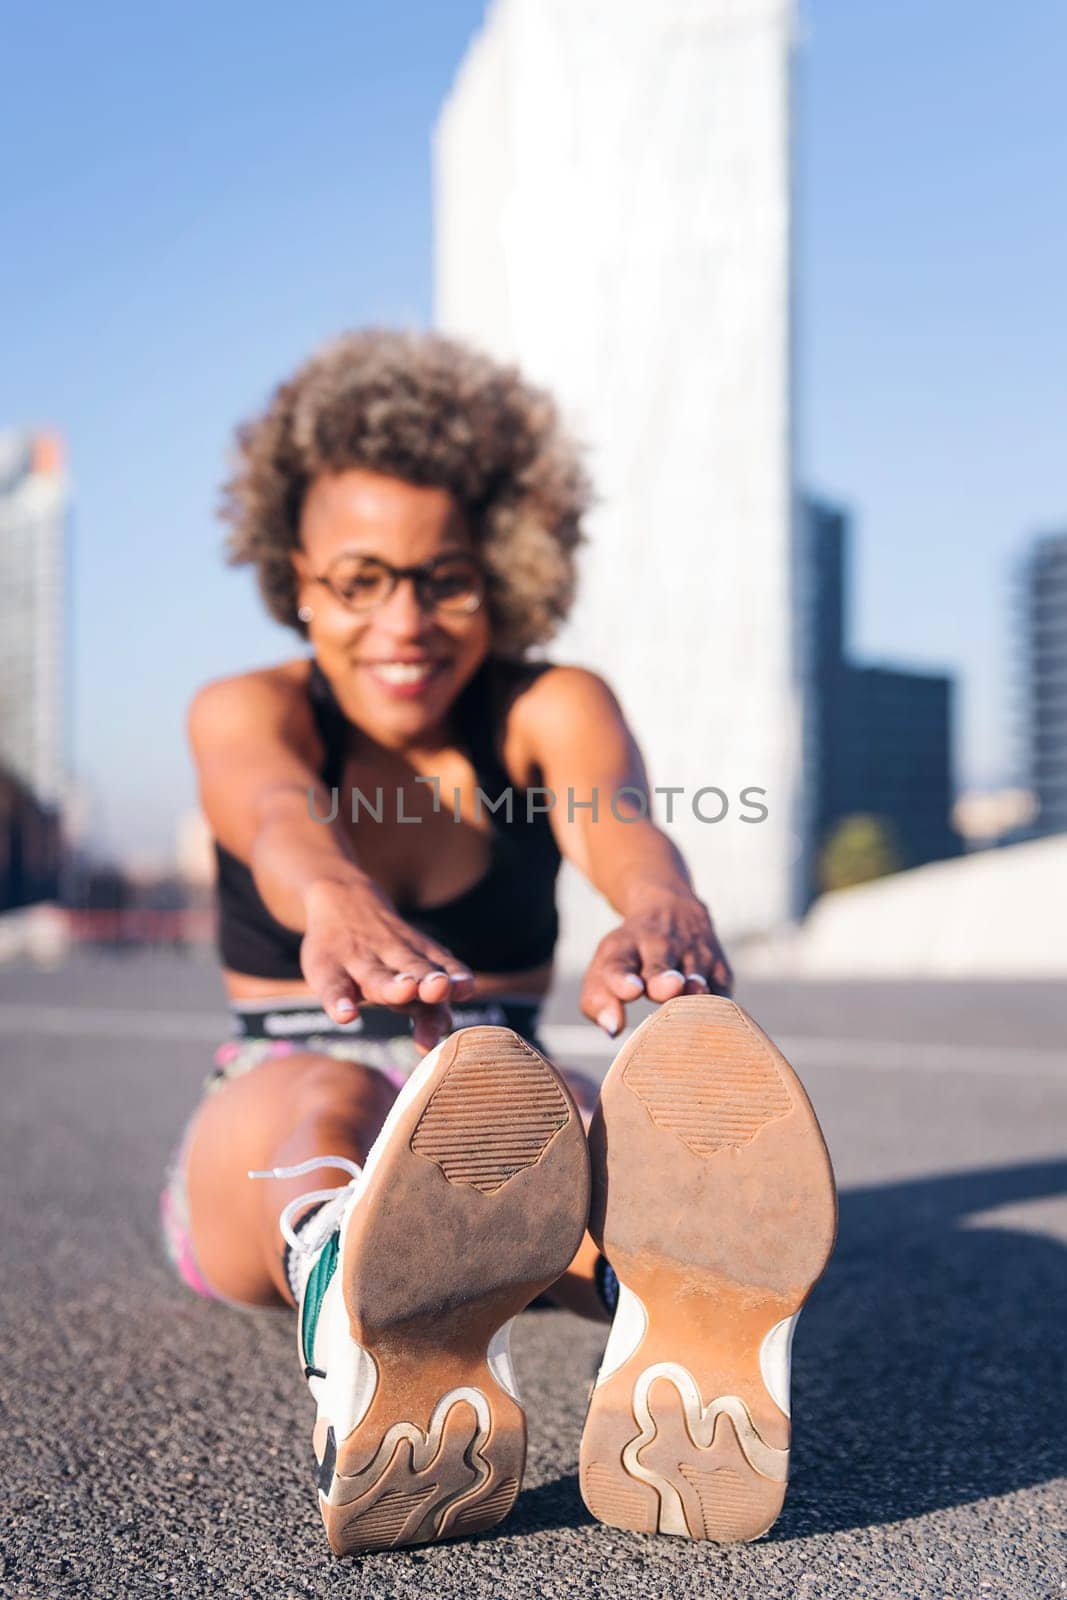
(280, 1113)
(284, 1112)
(577, 1289)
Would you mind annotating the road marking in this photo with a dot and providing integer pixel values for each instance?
(73, 1022)
(811, 1050)
(564, 1039)
(918, 1056)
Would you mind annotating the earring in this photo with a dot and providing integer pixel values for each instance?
(305, 613)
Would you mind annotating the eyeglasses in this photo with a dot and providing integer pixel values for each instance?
(454, 584)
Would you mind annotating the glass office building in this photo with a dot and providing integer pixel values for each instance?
(1045, 666)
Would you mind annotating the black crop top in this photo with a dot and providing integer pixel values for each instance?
(505, 922)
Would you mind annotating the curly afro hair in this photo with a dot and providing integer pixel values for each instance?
(426, 409)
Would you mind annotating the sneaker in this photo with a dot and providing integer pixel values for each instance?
(474, 1197)
(714, 1202)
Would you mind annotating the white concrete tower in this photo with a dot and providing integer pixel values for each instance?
(613, 213)
(34, 514)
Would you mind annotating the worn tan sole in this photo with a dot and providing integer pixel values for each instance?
(475, 1202)
(713, 1199)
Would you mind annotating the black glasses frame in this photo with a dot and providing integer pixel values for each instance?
(421, 576)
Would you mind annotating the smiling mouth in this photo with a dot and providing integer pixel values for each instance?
(404, 672)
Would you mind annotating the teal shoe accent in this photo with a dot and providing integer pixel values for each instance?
(318, 1281)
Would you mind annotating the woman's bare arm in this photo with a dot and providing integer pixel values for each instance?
(255, 747)
(573, 727)
(253, 744)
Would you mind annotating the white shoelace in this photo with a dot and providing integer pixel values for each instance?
(289, 1233)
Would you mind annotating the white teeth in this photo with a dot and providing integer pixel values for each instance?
(403, 671)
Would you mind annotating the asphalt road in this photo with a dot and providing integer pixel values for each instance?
(155, 1444)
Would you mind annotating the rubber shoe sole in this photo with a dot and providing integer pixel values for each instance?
(475, 1200)
(713, 1199)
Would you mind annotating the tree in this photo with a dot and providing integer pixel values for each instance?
(858, 849)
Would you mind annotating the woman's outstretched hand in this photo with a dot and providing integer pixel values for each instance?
(665, 947)
(357, 950)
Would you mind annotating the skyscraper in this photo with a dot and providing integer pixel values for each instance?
(881, 736)
(613, 213)
(33, 525)
(1045, 633)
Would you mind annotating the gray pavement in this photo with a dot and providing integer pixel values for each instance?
(154, 1444)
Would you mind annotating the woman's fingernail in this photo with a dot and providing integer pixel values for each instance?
(463, 977)
(344, 1008)
(606, 1019)
(672, 972)
(697, 977)
(632, 981)
(402, 977)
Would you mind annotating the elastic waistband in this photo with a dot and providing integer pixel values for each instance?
(302, 1019)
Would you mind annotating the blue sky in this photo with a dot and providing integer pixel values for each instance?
(196, 195)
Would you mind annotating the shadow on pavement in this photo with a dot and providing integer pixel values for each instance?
(550, 1505)
(929, 1365)
(926, 1364)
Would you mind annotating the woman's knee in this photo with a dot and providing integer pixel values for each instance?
(323, 1086)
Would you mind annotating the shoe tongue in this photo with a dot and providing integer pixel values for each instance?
(315, 1227)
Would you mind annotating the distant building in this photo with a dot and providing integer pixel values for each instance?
(29, 846)
(33, 531)
(881, 736)
(1045, 651)
(34, 501)
(826, 554)
(895, 757)
(614, 213)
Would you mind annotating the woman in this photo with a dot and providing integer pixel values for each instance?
(386, 874)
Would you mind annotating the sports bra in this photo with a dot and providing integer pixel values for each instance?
(506, 922)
